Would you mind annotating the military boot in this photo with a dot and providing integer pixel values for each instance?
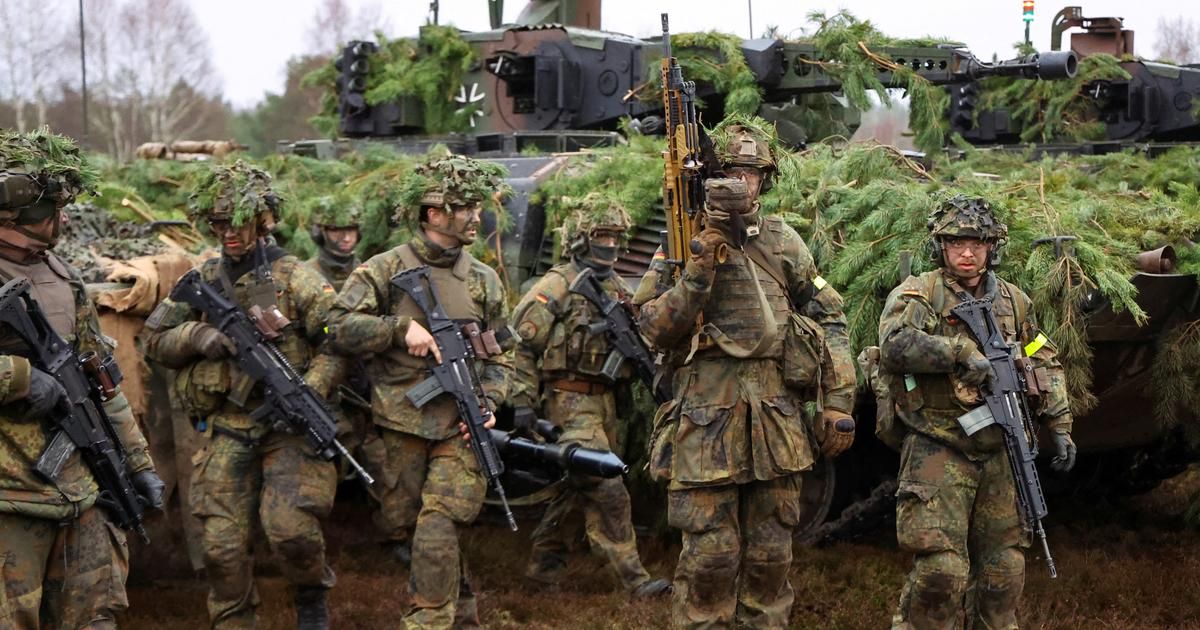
(312, 613)
(652, 589)
(546, 568)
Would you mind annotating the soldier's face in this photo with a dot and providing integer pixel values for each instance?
(966, 257)
(341, 240)
(462, 222)
(752, 176)
(236, 241)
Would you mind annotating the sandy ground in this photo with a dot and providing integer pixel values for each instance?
(1123, 563)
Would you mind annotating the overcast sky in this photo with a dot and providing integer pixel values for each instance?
(253, 39)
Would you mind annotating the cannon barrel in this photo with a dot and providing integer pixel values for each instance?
(1047, 66)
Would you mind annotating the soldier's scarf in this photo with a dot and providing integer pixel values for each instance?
(435, 254)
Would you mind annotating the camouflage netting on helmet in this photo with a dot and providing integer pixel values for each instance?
(960, 216)
(456, 180)
(239, 192)
(338, 210)
(745, 141)
(48, 156)
(591, 212)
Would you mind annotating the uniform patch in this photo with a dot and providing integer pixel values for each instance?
(660, 255)
(820, 283)
(543, 298)
(1038, 342)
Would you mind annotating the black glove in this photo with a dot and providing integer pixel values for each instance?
(212, 343)
(45, 393)
(1064, 449)
(149, 488)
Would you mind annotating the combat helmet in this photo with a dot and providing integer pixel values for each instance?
(589, 215)
(961, 216)
(448, 181)
(746, 141)
(236, 192)
(40, 172)
(336, 211)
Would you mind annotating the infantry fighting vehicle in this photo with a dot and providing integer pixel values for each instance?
(552, 83)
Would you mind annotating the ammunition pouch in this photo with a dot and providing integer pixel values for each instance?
(203, 386)
(662, 441)
(803, 347)
(885, 386)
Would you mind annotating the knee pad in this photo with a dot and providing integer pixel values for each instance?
(940, 575)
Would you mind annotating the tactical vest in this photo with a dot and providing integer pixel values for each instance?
(453, 291)
(576, 348)
(50, 286)
(736, 304)
(942, 397)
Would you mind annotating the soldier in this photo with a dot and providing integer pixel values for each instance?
(335, 229)
(247, 470)
(956, 505)
(431, 479)
(65, 565)
(559, 348)
(733, 441)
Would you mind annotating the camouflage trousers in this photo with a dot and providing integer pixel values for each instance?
(737, 550)
(278, 482)
(436, 485)
(587, 420)
(67, 574)
(959, 519)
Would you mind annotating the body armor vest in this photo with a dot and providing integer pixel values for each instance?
(735, 304)
(50, 286)
(453, 292)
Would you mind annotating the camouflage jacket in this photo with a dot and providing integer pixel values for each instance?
(333, 270)
(23, 491)
(734, 419)
(210, 388)
(370, 315)
(556, 341)
(919, 339)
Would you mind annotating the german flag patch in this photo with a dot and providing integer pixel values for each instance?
(543, 298)
(660, 255)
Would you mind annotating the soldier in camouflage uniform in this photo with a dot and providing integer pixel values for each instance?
(559, 349)
(431, 478)
(335, 229)
(733, 442)
(64, 564)
(247, 471)
(956, 505)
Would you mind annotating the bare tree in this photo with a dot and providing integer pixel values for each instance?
(1178, 40)
(30, 49)
(334, 23)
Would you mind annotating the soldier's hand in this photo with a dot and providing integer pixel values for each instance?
(702, 264)
(487, 424)
(212, 343)
(149, 488)
(1064, 451)
(974, 368)
(45, 393)
(420, 343)
(834, 432)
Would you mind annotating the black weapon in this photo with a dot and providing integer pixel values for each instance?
(80, 423)
(455, 376)
(288, 400)
(622, 332)
(571, 458)
(1007, 402)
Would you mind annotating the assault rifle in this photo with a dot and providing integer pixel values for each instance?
(1007, 404)
(80, 423)
(289, 401)
(683, 176)
(455, 376)
(622, 332)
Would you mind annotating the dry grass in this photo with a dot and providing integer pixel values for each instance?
(1122, 564)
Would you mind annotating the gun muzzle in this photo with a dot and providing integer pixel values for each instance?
(1047, 66)
(589, 461)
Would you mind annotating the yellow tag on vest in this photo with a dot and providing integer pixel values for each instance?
(820, 283)
(1033, 346)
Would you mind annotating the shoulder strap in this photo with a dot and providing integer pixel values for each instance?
(408, 256)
